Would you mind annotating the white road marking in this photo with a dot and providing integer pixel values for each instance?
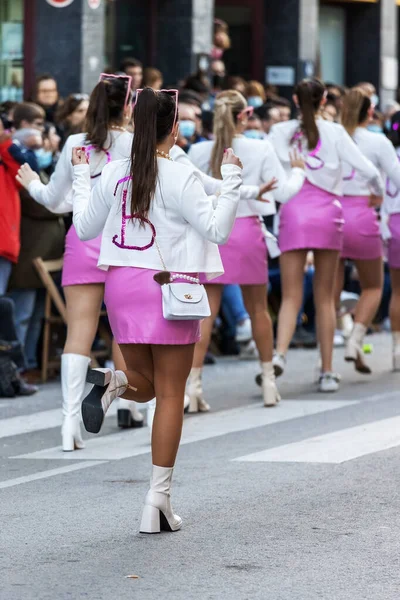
(337, 447)
(134, 443)
(46, 474)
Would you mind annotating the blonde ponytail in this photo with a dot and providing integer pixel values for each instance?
(228, 105)
(356, 104)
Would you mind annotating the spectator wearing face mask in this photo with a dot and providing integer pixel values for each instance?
(255, 94)
(190, 126)
(254, 129)
(42, 233)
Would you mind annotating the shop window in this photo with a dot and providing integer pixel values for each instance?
(332, 25)
(11, 50)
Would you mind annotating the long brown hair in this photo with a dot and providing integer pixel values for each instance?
(356, 104)
(309, 93)
(228, 105)
(154, 119)
(106, 107)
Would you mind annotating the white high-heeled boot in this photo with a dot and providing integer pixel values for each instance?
(354, 349)
(128, 414)
(396, 350)
(108, 385)
(270, 391)
(157, 513)
(195, 392)
(74, 369)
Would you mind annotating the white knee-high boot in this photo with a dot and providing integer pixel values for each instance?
(73, 379)
(396, 350)
(157, 513)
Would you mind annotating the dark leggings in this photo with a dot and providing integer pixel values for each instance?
(8, 332)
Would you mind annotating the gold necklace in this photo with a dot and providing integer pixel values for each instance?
(116, 127)
(163, 154)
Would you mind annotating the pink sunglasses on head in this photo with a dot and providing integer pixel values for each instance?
(128, 78)
(248, 112)
(174, 93)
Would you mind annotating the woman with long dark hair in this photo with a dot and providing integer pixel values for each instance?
(71, 116)
(106, 140)
(158, 226)
(245, 255)
(390, 216)
(362, 241)
(313, 220)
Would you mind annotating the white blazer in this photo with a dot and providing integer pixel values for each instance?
(187, 224)
(336, 148)
(380, 151)
(260, 164)
(56, 196)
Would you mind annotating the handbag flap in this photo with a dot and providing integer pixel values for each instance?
(187, 292)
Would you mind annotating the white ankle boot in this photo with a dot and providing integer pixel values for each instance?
(195, 392)
(108, 385)
(73, 379)
(157, 513)
(128, 414)
(396, 350)
(354, 349)
(270, 391)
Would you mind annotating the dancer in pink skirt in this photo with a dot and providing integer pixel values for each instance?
(155, 215)
(313, 220)
(362, 241)
(245, 255)
(390, 216)
(106, 140)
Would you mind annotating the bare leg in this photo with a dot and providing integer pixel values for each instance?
(395, 300)
(214, 293)
(255, 301)
(292, 277)
(139, 372)
(339, 284)
(326, 262)
(83, 312)
(370, 273)
(171, 368)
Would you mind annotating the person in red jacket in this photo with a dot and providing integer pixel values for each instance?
(10, 212)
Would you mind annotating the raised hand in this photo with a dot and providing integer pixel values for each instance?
(265, 188)
(79, 156)
(25, 176)
(230, 158)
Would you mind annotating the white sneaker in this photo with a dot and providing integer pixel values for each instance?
(328, 382)
(348, 302)
(243, 331)
(338, 339)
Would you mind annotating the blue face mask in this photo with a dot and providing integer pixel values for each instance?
(255, 101)
(375, 99)
(253, 134)
(375, 128)
(44, 158)
(388, 124)
(187, 128)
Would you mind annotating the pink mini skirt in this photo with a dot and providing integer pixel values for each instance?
(80, 261)
(134, 307)
(244, 256)
(311, 220)
(361, 232)
(394, 242)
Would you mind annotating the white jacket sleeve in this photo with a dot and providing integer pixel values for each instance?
(287, 186)
(213, 185)
(214, 224)
(90, 206)
(54, 195)
(350, 153)
(389, 161)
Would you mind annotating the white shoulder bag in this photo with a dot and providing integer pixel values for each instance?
(182, 301)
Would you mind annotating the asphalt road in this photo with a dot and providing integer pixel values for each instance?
(299, 502)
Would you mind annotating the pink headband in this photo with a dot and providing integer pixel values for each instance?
(128, 78)
(170, 93)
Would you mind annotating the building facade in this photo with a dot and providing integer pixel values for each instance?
(275, 41)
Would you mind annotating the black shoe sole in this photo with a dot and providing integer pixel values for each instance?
(363, 369)
(126, 421)
(92, 410)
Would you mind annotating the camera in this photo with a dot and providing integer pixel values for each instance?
(7, 124)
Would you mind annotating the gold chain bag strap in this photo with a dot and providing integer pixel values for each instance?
(183, 301)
